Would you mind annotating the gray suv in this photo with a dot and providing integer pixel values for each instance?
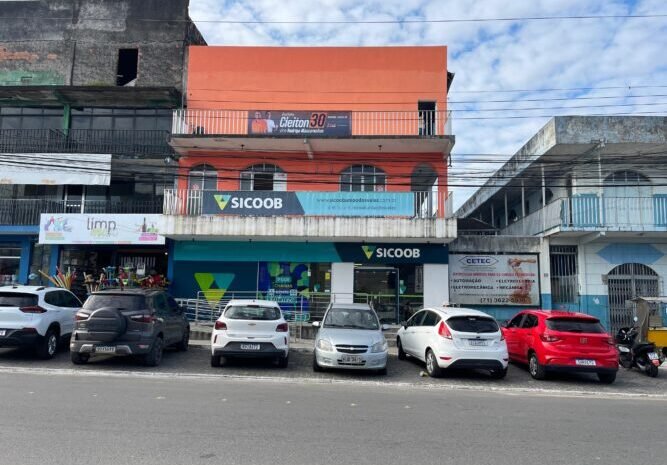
(139, 322)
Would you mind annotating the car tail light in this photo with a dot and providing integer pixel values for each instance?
(33, 309)
(549, 338)
(81, 316)
(142, 318)
(281, 328)
(443, 331)
(29, 330)
(220, 325)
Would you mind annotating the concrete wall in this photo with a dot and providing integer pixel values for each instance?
(76, 42)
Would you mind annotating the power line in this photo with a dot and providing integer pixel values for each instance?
(348, 21)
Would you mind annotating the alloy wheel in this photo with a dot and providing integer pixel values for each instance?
(52, 344)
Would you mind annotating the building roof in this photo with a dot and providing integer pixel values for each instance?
(567, 138)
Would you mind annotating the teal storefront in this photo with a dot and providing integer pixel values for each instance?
(303, 276)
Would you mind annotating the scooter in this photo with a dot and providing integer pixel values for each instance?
(637, 354)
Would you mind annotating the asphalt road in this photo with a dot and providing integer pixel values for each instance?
(196, 362)
(99, 419)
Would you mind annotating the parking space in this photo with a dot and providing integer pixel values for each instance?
(196, 361)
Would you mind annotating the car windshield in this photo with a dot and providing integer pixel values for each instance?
(575, 325)
(119, 301)
(473, 324)
(15, 299)
(252, 312)
(352, 318)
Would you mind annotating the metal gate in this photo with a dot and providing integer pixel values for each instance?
(626, 282)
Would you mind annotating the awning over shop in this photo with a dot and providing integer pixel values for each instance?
(55, 168)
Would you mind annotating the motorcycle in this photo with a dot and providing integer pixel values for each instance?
(631, 353)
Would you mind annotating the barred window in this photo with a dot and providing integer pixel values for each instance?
(363, 178)
(564, 282)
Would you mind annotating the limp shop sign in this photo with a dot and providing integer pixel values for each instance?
(100, 229)
(299, 123)
(489, 279)
(257, 203)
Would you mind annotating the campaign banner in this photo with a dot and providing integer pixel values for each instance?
(262, 203)
(489, 279)
(299, 123)
(55, 228)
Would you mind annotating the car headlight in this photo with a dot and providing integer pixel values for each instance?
(324, 345)
(379, 346)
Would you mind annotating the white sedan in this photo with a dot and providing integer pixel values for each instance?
(454, 338)
(250, 329)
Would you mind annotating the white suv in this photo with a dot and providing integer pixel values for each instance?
(250, 329)
(454, 338)
(35, 316)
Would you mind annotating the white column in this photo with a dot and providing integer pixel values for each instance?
(436, 284)
(342, 282)
(523, 200)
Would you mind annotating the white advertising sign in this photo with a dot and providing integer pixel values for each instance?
(55, 169)
(487, 279)
(55, 228)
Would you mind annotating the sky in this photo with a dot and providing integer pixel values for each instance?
(488, 58)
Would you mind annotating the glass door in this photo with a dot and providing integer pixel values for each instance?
(378, 287)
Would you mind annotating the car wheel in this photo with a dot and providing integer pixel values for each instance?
(607, 378)
(79, 359)
(154, 357)
(499, 374)
(652, 371)
(48, 345)
(185, 341)
(536, 370)
(432, 367)
(316, 366)
(401, 353)
(283, 361)
(215, 361)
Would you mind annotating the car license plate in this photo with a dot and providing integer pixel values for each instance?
(105, 350)
(249, 346)
(3, 332)
(351, 359)
(652, 356)
(587, 363)
(477, 342)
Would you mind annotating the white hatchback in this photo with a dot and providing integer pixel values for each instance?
(448, 337)
(36, 316)
(250, 329)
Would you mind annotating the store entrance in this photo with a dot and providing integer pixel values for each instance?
(379, 287)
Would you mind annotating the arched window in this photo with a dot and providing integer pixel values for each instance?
(203, 177)
(363, 178)
(263, 177)
(624, 184)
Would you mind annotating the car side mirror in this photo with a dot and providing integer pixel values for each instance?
(635, 319)
(404, 324)
(385, 327)
(316, 324)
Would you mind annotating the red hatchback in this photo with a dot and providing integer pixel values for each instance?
(551, 341)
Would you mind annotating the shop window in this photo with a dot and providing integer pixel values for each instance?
(203, 177)
(10, 258)
(363, 178)
(263, 177)
(564, 285)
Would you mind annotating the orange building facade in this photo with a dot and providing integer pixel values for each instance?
(331, 161)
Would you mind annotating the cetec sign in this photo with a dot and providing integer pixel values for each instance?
(478, 260)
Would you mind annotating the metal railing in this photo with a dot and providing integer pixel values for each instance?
(593, 212)
(362, 123)
(112, 141)
(190, 202)
(17, 212)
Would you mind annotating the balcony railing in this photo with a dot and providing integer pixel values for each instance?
(125, 142)
(24, 212)
(324, 204)
(361, 123)
(595, 213)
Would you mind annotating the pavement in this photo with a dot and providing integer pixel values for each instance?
(195, 363)
(106, 420)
